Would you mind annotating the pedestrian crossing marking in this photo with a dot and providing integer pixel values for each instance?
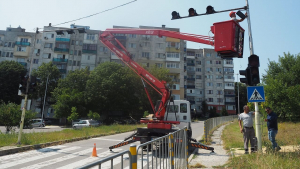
(38, 156)
(256, 96)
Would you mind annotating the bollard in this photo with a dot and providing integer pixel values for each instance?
(133, 162)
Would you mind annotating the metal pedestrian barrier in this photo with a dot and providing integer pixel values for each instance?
(211, 123)
(167, 152)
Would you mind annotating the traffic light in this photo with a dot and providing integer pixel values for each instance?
(253, 62)
(175, 15)
(32, 84)
(23, 84)
(245, 73)
(192, 12)
(210, 10)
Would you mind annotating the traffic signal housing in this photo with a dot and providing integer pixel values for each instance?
(32, 85)
(23, 84)
(245, 73)
(253, 62)
(175, 15)
(192, 12)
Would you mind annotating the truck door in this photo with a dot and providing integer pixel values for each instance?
(177, 112)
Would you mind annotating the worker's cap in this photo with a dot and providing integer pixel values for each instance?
(231, 13)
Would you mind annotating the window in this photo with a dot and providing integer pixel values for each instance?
(37, 50)
(88, 57)
(9, 44)
(73, 42)
(230, 99)
(7, 54)
(219, 84)
(160, 45)
(146, 44)
(198, 69)
(80, 43)
(11, 54)
(47, 55)
(90, 37)
(21, 49)
(198, 62)
(38, 41)
(173, 55)
(229, 62)
(78, 63)
(35, 61)
(13, 45)
(77, 42)
(0, 53)
(49, 35)
(132, 35)
(69, 62)
(198, 55)
(209, 92)
(229, 70)
(3, 54)
(5, 44)
(218, 62)
(62, 46)
(209, 76)
(79, 52)
(229, 77)
(173, 65)
(132, 45)
(24, 39)
(160, 55)
(173, 44)
(172, 108)
(190, 53)
(75, 52)
(74, 63)
(209, 84)
(145, 54)
(209, 62)
(230, 107)
(209, 69)
(219, 70)
(229, 92)
(103, 49)
(210, 100)
(48, 45)
(207, 54)
(220, 100)
(219, 92)
(219, 77)
(229, 84)
(159, 65)
(183, 108)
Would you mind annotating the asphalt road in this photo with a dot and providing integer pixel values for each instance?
(78, 153)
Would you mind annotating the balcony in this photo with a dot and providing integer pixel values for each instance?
(191, 79)
(23, 63)
(62, 40)
(192, 101)
(190, 86)
(90, 51)
(62, 70)
(191, 71)
(61, 50)
(60, 60)
(229, 87)
(190, 64)
(22, 43)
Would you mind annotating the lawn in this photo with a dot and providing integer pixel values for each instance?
(44, 137)
(288, 134)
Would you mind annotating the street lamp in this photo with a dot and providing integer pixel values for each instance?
(45, 96)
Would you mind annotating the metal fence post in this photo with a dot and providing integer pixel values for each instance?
(171, 150)
(133, 162)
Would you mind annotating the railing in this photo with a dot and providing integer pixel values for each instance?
(169, 151)
(22, 43)
(61, 50)
(23, 63)
(62, 70)
(62, 39)
(59, 60)
(211, 123)
(90, 51)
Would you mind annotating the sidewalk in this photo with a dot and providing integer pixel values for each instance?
(209, 159)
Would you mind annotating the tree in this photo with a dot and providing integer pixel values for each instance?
(93, 115)
(10, 77)
(213, 112)
(74, 115)
(70, 92)
(110, 89)
(282, 85)
(10, 115)
(204, 108)
(224, 112)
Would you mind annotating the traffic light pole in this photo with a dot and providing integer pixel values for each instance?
(257, 114)
(26, 95)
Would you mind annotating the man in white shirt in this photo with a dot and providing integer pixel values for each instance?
(247, 128)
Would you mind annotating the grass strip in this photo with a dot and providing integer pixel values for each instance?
(288, 134)
(66, 134)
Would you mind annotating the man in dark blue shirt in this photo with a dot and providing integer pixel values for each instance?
(272, 127)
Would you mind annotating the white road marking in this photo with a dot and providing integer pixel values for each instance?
(107, 164)
(59, 159)
(38, 156)
(20, 156)
(87, 160)
(107, 139)
(145, 162)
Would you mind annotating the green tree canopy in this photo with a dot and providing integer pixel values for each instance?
(282, 85)
(10, 73)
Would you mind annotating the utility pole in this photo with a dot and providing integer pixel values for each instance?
(238, 89)
(257, 114)
(45, 97)
(26, 94)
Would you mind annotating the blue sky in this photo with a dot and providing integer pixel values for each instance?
(274, 23)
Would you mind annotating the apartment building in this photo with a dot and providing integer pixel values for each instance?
(208, 77)
(198, 74)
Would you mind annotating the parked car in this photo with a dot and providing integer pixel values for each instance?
(75, 121)
(48, 121)
(37, 123)
(86, 123)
